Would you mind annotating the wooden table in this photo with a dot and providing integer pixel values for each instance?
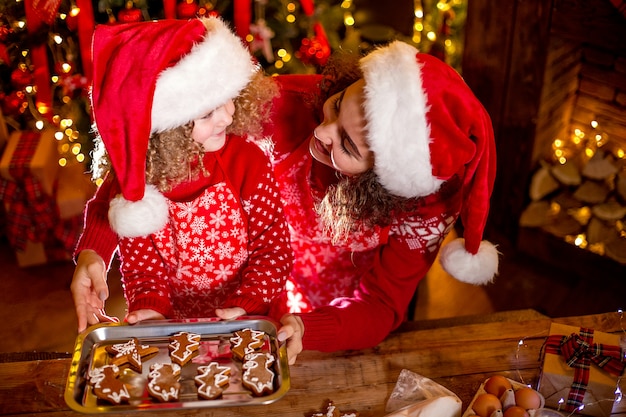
(458, 353)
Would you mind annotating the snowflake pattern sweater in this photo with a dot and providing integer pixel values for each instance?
(226, 244)
(349, 297)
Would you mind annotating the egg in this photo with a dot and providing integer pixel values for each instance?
(485, 404)
(497, 385)
(527, 398)
(515, 411)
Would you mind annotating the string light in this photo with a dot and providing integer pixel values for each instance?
(618, 391)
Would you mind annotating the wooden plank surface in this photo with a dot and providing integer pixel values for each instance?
(458, 357)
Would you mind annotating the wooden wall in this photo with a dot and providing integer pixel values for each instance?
(542, 68)
(506, 44)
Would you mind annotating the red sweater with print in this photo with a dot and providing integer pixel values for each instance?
(226, 243)
(353, 296)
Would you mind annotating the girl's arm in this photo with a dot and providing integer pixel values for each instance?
(144, 277)
(97, 234)
(93, 256)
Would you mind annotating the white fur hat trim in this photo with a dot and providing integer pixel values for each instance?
(220, 60)
(473, 269)
(139, 218)
(398, 131)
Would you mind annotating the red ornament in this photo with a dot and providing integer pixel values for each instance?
(4, 54)
(187, 9)
(130, 14)
(21, 77)
(14, 104)
(72, 22)
(4, 33)
(313, 51)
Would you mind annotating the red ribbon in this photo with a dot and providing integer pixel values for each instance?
(85, 31)
(242, 17)
(29, 212)
(169, 9)
(579, 352)
(307, 7)
(37, 13)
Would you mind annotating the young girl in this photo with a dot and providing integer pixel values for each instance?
(197, 212)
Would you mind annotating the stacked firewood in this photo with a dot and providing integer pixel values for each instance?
(583, 203)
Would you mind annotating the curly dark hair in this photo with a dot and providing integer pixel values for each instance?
(358, 201)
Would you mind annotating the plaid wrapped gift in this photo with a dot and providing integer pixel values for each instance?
(29, 169)
(581, 369)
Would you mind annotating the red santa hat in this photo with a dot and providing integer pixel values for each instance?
(153, 76)
(425, 126)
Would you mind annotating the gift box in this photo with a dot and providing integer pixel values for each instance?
(581, 369)
(31, 153)
(28, 187)
(40, 253)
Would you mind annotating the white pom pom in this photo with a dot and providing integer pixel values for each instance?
(139, 218)
(473, 269)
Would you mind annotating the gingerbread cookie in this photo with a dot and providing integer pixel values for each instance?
(258, 375)
(211, 380)
(332, 411)
(131, 353)
(246, 341)
(106, 384)
(183, 346)
(163, 381)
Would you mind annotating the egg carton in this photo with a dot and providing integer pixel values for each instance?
(508, 399)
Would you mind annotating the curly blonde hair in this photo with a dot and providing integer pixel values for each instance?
(172, 155)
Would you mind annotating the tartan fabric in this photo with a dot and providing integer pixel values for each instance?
(579, 352)
(31, 214)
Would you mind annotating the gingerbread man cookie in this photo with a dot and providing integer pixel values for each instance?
(246, 341)
(258, 375)
(131, 353)
(163, 381)
(211, 380)
(106, 384)
(332, 411)
(183, 346)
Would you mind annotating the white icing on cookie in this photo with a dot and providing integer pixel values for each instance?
(106, 385)
(183, 346)
(163, 381)
(258, 375)
(212, 379)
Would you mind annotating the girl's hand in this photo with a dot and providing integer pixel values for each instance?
(292, 331)
(89, 290)
(142, 315)
(230, 313)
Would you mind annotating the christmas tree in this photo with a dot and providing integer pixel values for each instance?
(44, 44)
(42, 81)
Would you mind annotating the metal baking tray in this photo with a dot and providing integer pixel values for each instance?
(89, 353)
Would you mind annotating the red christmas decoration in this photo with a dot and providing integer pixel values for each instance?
(74, 85)
(4, 33)
(4, 54)
(129, 14)
(313, 51)
(21, 77)
(14, 104)
(72, 22)
(187, 9)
